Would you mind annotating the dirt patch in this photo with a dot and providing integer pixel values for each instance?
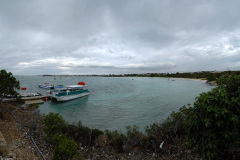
(18, 146)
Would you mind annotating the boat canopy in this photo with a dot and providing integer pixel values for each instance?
(74, 86)
(81, 83)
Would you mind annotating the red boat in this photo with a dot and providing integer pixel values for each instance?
(23, 88)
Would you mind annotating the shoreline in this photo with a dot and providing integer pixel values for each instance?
(185, 78)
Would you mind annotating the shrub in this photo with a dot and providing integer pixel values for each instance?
(53, 124)
(117, 140)
(134, 137)
(95, 133)
(213, 125)
(82, 133)
(34, 105)
(11, 108)
(19, 100)
(64, 148)
(173, 125)
(155, 136)
(168, 130)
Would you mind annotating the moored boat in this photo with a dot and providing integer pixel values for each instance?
(30, 95)
(69, 92)
(46, 86)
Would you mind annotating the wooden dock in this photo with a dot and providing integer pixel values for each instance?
(37, 99)
(30, 100)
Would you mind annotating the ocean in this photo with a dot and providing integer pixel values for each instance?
(115, 102)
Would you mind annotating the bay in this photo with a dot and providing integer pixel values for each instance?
(115, 102)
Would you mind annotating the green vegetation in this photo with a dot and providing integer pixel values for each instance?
(207, 75)
(8, 84)
(81, 133)
(53, 125)
(211, 127)
(34, 106)
(64, 148)
(19, 100)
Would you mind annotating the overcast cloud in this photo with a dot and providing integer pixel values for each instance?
(118, 36)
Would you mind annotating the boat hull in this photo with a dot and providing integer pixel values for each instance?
(70, 97)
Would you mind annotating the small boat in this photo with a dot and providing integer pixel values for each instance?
(58, 86)
(23, 88)
(68, 92)
(30, 94)
(46, 86)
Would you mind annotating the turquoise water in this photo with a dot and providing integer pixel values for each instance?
(115, 102)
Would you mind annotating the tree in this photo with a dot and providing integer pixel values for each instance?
(213, 127)
(8, 84)
(53, 124)
(211, 77)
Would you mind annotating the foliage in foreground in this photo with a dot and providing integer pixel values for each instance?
(168, 130)
(8, 84)
(53, 124)
(213, 127)
(64, 148)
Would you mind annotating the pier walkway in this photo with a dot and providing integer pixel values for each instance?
(30, 100)
(37, 99)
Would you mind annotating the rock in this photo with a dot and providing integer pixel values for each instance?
(3, 144)
(1, 115)
(12, 155)
(153, 155)
(101, 141)
(36, 112)
(23, 135)
(23, 106)
(18, 144)
(188, 151)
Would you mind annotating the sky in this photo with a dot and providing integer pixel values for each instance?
(87, 37)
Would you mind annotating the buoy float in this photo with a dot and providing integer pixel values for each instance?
(23, 88)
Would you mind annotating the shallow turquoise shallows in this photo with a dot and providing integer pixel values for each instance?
(115, 102)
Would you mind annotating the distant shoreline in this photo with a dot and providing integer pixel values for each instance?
(186, 78)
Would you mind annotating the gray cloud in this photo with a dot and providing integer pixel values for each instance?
(121, 36)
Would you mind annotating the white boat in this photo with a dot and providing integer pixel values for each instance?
(30, 95)
(46, 86)
(69, 92)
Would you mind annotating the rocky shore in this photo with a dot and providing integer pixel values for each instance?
(28, 122)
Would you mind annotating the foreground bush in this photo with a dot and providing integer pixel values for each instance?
(81, 133)
(213, 127)
(53, 124)
(117, 140)
(64, 148)
(168, 130)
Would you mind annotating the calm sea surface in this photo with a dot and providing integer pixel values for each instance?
(115, 102)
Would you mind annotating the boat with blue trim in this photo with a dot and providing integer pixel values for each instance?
(69, 92)
(46, 86)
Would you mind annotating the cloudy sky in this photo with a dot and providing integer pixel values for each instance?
(118, 36)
